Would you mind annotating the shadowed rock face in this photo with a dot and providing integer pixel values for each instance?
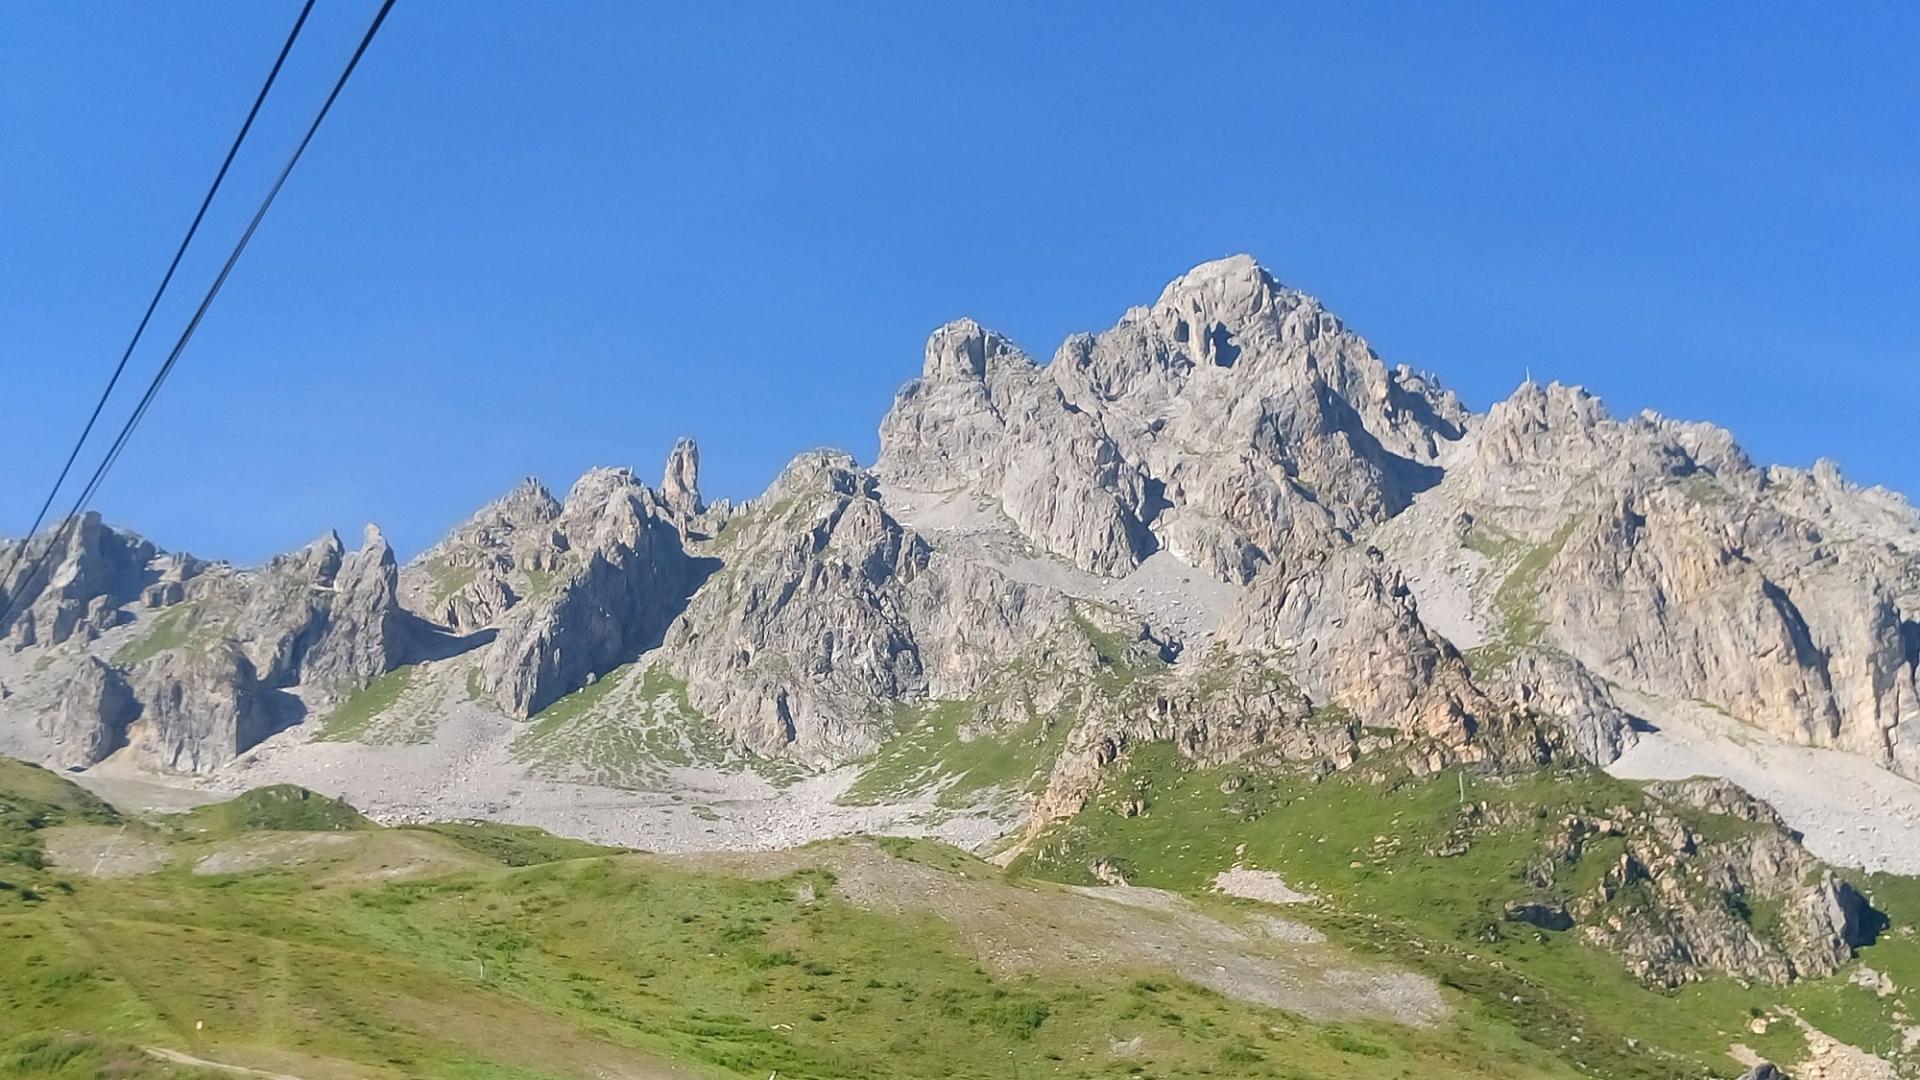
(78, 589)
(200, 708)
(617, 576)
(96, 706)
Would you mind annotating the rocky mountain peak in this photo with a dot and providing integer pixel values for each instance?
(527, 500)
(1206, 306)
(317, 562)
(963, 350)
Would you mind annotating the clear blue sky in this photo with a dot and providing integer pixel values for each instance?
(536, 237)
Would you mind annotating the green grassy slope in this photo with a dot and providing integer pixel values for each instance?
(398, 952)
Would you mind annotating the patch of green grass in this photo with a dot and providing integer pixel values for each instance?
(173, 628)
(1858, 1013)
(65, 1057)
(352, 718)
(577, 704)
(1122, 659)
(932, 745)
(1001, 743)
(540, 582)
(1516, 601)
(1495, 543)
(513, 845)
(1703, 489)
(627, 730)
(276, 808)
(446, 580)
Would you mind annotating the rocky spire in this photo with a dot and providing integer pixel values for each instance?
(680, 486)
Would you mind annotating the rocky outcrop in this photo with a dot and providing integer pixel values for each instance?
(1653, 554)
(96, 705)
(363, 635)
(1743, 610)
(1349, 632)
(616, 577)
(984, 417)
(1715, 795)
(1558, 690)
(1234, 425)
(200, 708)
(76, 590)
(1679, 901)
(321, 618)
(680, 485)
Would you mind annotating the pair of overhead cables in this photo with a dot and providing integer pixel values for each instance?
(54, 540)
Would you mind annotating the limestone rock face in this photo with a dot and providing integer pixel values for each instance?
(984, 417)
(78, 589)
(1352, 637)
(200, 708)
(1678, 568)
(321, 616)
(826, 610)
(95, 708)
(615, 575)
(1235, 423)
(1717, 796)
(1366, 522)
(1552, 686)
(362, 637)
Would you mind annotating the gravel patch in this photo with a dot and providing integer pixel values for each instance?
(1850, 811)
(1263, 885)
(466, 770)
(109, 851)
(272, 849)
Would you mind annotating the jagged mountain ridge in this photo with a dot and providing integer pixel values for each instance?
(1235, 426)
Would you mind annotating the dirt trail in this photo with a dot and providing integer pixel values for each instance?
(180, 1058)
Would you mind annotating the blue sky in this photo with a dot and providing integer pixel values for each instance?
(536, 237)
